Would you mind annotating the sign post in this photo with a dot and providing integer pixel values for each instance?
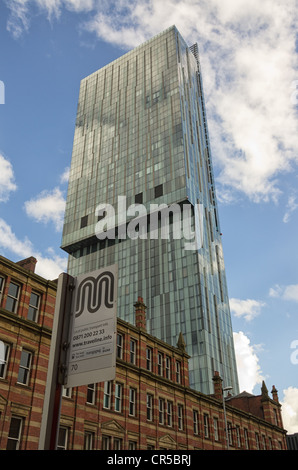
(92, 341)
(83, 345)
(57, 360)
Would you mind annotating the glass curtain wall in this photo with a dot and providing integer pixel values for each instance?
(141, 134)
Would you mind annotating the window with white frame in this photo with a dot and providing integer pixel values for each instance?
(24, 367)
(14, 434)
(149, 407)
(178, 372)
(3, 366)
(66, 392)
(168, 367)
(215, 428)
(238, 437)
(169, 413)
(1, 286)
(91, 389)
(118, 397)
(89, 440)
(133, 351)
(107, 394)
(33, 307)
(12, 297)
(161, 410)
(106, 442)
(149, 359)
(180, 414)
(206, 425)
(160, 363)
(246, 438)
(132, 401)
(62, 438)
(120, 342)
(195, 422)
(230, 435)
(117, 443)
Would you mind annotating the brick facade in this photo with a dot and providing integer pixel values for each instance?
(148, 406)
(157, 408)
(25, 328)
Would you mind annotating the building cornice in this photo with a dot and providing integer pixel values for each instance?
(25, 272)
(24, 323)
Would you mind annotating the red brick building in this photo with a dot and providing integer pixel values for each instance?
(27, 303)
(148, 406)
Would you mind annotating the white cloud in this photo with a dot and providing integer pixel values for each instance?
(289, 292)
(248, 61)
(9, 240)
(7, 181)
(48, 206)
(65, 176)
(292, 205)
(290, 410)
(48, 266)
(80, 5)
(249, 371)
(249, 308)
(20, 12)
(18, 20)
(275, 291)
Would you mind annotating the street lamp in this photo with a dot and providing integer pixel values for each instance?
(226, 389)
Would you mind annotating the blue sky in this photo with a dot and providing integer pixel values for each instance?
(248, 53)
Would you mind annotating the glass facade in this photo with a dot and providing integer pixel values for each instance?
(141, 132)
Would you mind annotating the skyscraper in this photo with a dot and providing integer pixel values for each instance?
(141, 138)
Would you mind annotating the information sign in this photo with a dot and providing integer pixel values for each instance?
(92, 342)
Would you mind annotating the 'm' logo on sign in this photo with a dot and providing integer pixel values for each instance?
(93, 292)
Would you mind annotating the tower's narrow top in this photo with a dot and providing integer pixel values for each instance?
(142, 45)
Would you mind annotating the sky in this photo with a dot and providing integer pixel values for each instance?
(248, 54)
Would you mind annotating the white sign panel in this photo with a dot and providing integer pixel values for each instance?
(92, 348)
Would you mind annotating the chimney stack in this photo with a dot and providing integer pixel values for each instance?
(217, 380)
(28, 263)
(274, 394)
(140, 313)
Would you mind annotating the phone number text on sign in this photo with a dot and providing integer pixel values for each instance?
(92, 340)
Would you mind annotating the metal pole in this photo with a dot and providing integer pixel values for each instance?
(225, 414)
(225, 418)
(57, 360)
